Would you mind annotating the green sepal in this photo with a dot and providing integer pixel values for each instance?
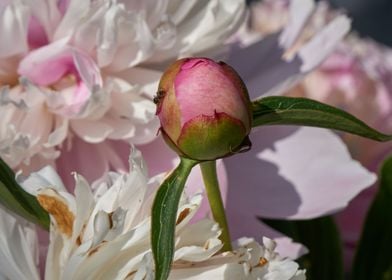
(211, 137)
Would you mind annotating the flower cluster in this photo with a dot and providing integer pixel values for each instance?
(88, 69)
(78, 83)
(103, 232)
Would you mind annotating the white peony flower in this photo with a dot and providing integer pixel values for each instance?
(105, 234)
(89, 69)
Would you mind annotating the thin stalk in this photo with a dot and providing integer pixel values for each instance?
(211, 183)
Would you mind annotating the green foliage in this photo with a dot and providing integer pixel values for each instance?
(16, 199)
(280, 110)
(373, 259)
(164, 215)
(324, 260)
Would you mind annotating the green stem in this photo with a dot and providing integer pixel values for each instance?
(211, 183)
(164, 217)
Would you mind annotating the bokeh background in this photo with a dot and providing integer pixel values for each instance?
(371, 18)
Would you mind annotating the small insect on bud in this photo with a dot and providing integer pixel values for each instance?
(204, 109)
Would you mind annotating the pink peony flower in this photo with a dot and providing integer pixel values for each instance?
(85, 71)
(79, 76)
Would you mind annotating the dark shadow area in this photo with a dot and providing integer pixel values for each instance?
(255, 186)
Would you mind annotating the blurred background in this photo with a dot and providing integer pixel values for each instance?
(371, 18)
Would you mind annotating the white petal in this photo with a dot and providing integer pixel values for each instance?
(18, 248)
(198, 242)
(44, 178)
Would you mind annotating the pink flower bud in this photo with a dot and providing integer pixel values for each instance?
(204, 109)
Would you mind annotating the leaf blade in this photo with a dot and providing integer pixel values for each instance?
(321, 236)
(17, 200)
(281, 110)
(163, 218)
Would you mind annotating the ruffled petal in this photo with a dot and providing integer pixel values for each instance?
(18, 248)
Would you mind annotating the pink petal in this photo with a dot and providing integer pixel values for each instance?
(91, 161)
(48, 64)
(36, 34)
(308, 174)
(319, 167)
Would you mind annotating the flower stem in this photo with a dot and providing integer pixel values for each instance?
(211, 183)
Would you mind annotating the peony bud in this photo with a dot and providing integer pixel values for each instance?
(204, 109)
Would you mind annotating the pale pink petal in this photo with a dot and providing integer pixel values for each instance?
(122, 128)
(253, 182)
(14, 17)
(91, 131)
(262, 67)
(59, 133)
(300, 11)
(74, 12)
(315, 51)
(314, 176)
(319, 167)
(147, 79)
(84, 158)
(87, 70)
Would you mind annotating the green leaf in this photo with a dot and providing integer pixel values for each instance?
(164, 215)
(373, 258)
(17, 200)
(281, 110)
(324, 260)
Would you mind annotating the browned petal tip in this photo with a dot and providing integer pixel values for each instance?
(184, 213)
(263, 261)
(59, 211)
